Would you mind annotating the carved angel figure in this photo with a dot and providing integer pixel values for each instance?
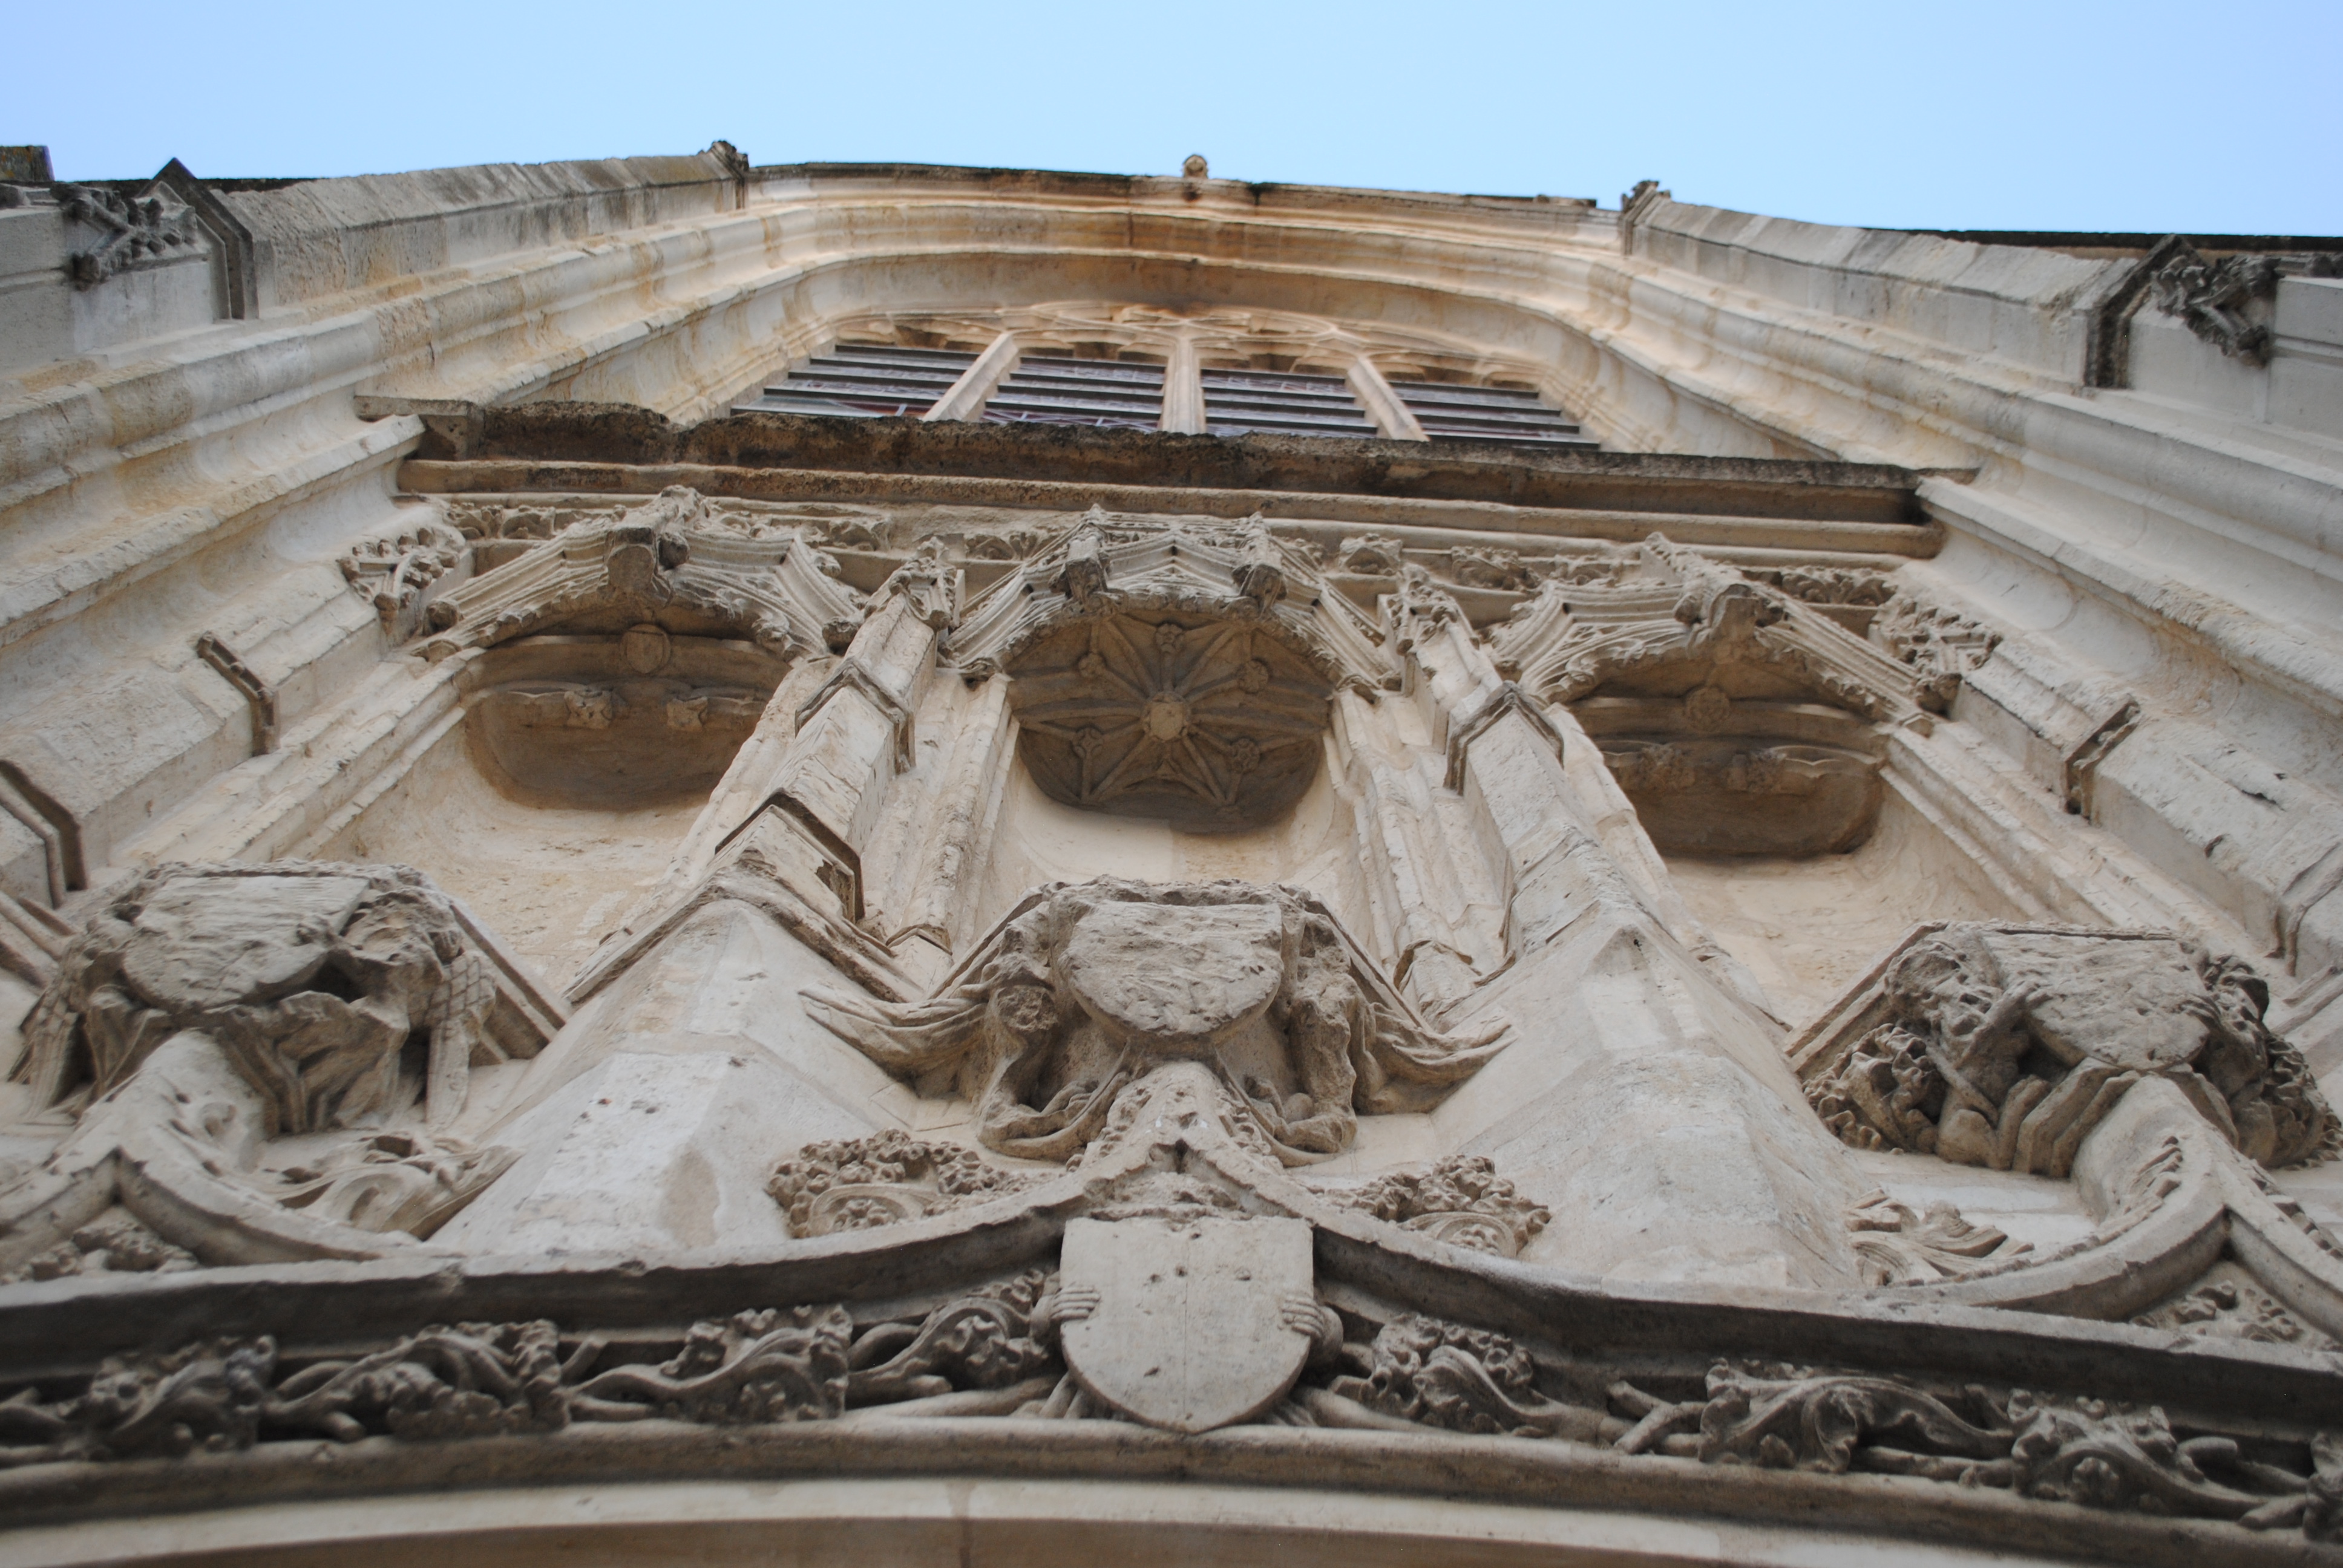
(2004, 1046)
(1084, 989)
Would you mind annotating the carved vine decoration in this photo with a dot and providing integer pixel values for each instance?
(995, 1352)
(1461, 1200)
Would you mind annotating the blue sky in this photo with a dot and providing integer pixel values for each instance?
(2151, 116)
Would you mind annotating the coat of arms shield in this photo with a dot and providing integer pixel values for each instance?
(1191, 1331)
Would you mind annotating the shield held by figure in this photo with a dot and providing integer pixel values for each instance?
(1190, 1330)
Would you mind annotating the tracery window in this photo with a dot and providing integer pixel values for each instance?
(1221, 372)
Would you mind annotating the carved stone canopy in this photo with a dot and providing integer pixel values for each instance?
(1083, 990)
(674, 563)
(2004, 1045)
(1171, 669)
(1738, 720)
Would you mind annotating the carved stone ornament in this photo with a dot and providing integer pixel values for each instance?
(1679, 623)
(2004, 1045)
(1171, 669)
(2211, 297)
(209, 1010)
(856, 1185)
(134, 228)
(1461, 1200)
(674, 562)
(1188, 1324)
(1084, 989)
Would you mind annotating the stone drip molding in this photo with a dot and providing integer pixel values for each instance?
(1009, 1346)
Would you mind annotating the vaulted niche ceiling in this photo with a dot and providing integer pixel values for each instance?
(613, 721)
(1752, 732)
(1179, 670)
(1205, 723)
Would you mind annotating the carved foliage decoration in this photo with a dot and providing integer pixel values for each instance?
(1460, 1200)
(1083, 990)
(2003, 1045)
(134, 228)
(855, 1184)
(2211, 296)
(998, 1350)
(1680, 624)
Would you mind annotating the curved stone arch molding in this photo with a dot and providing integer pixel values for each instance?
(1632, 402)
(2174, 1200)
(1581, 1332)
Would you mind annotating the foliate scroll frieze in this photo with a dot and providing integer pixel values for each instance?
(2003, 1045)
(758, 1367)
(859, 1184)
(2094, 1452)
(1460, 1200)
(1444, 1375)
(1087, 990)
(1053, 1346)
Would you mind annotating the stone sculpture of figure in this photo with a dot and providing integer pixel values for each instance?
(1085, 990)
(274, 1048)
(2004, 1046)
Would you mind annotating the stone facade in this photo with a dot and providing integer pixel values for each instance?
(955, 866)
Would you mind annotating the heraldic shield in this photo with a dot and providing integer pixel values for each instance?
(1188, 1323)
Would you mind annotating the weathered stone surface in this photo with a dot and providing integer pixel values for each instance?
(1189, 1325)
(993, 858)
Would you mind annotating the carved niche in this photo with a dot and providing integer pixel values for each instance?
(2004, 1045)
(1177, 670)
(1084, 991)
(272, 1053)
(623, 660)
(1737, 718)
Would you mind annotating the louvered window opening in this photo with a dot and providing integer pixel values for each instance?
(1111, 394)
(1451, 413)
(865, 381)
(1238, 402)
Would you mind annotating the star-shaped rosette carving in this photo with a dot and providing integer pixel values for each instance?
(1213, 725)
